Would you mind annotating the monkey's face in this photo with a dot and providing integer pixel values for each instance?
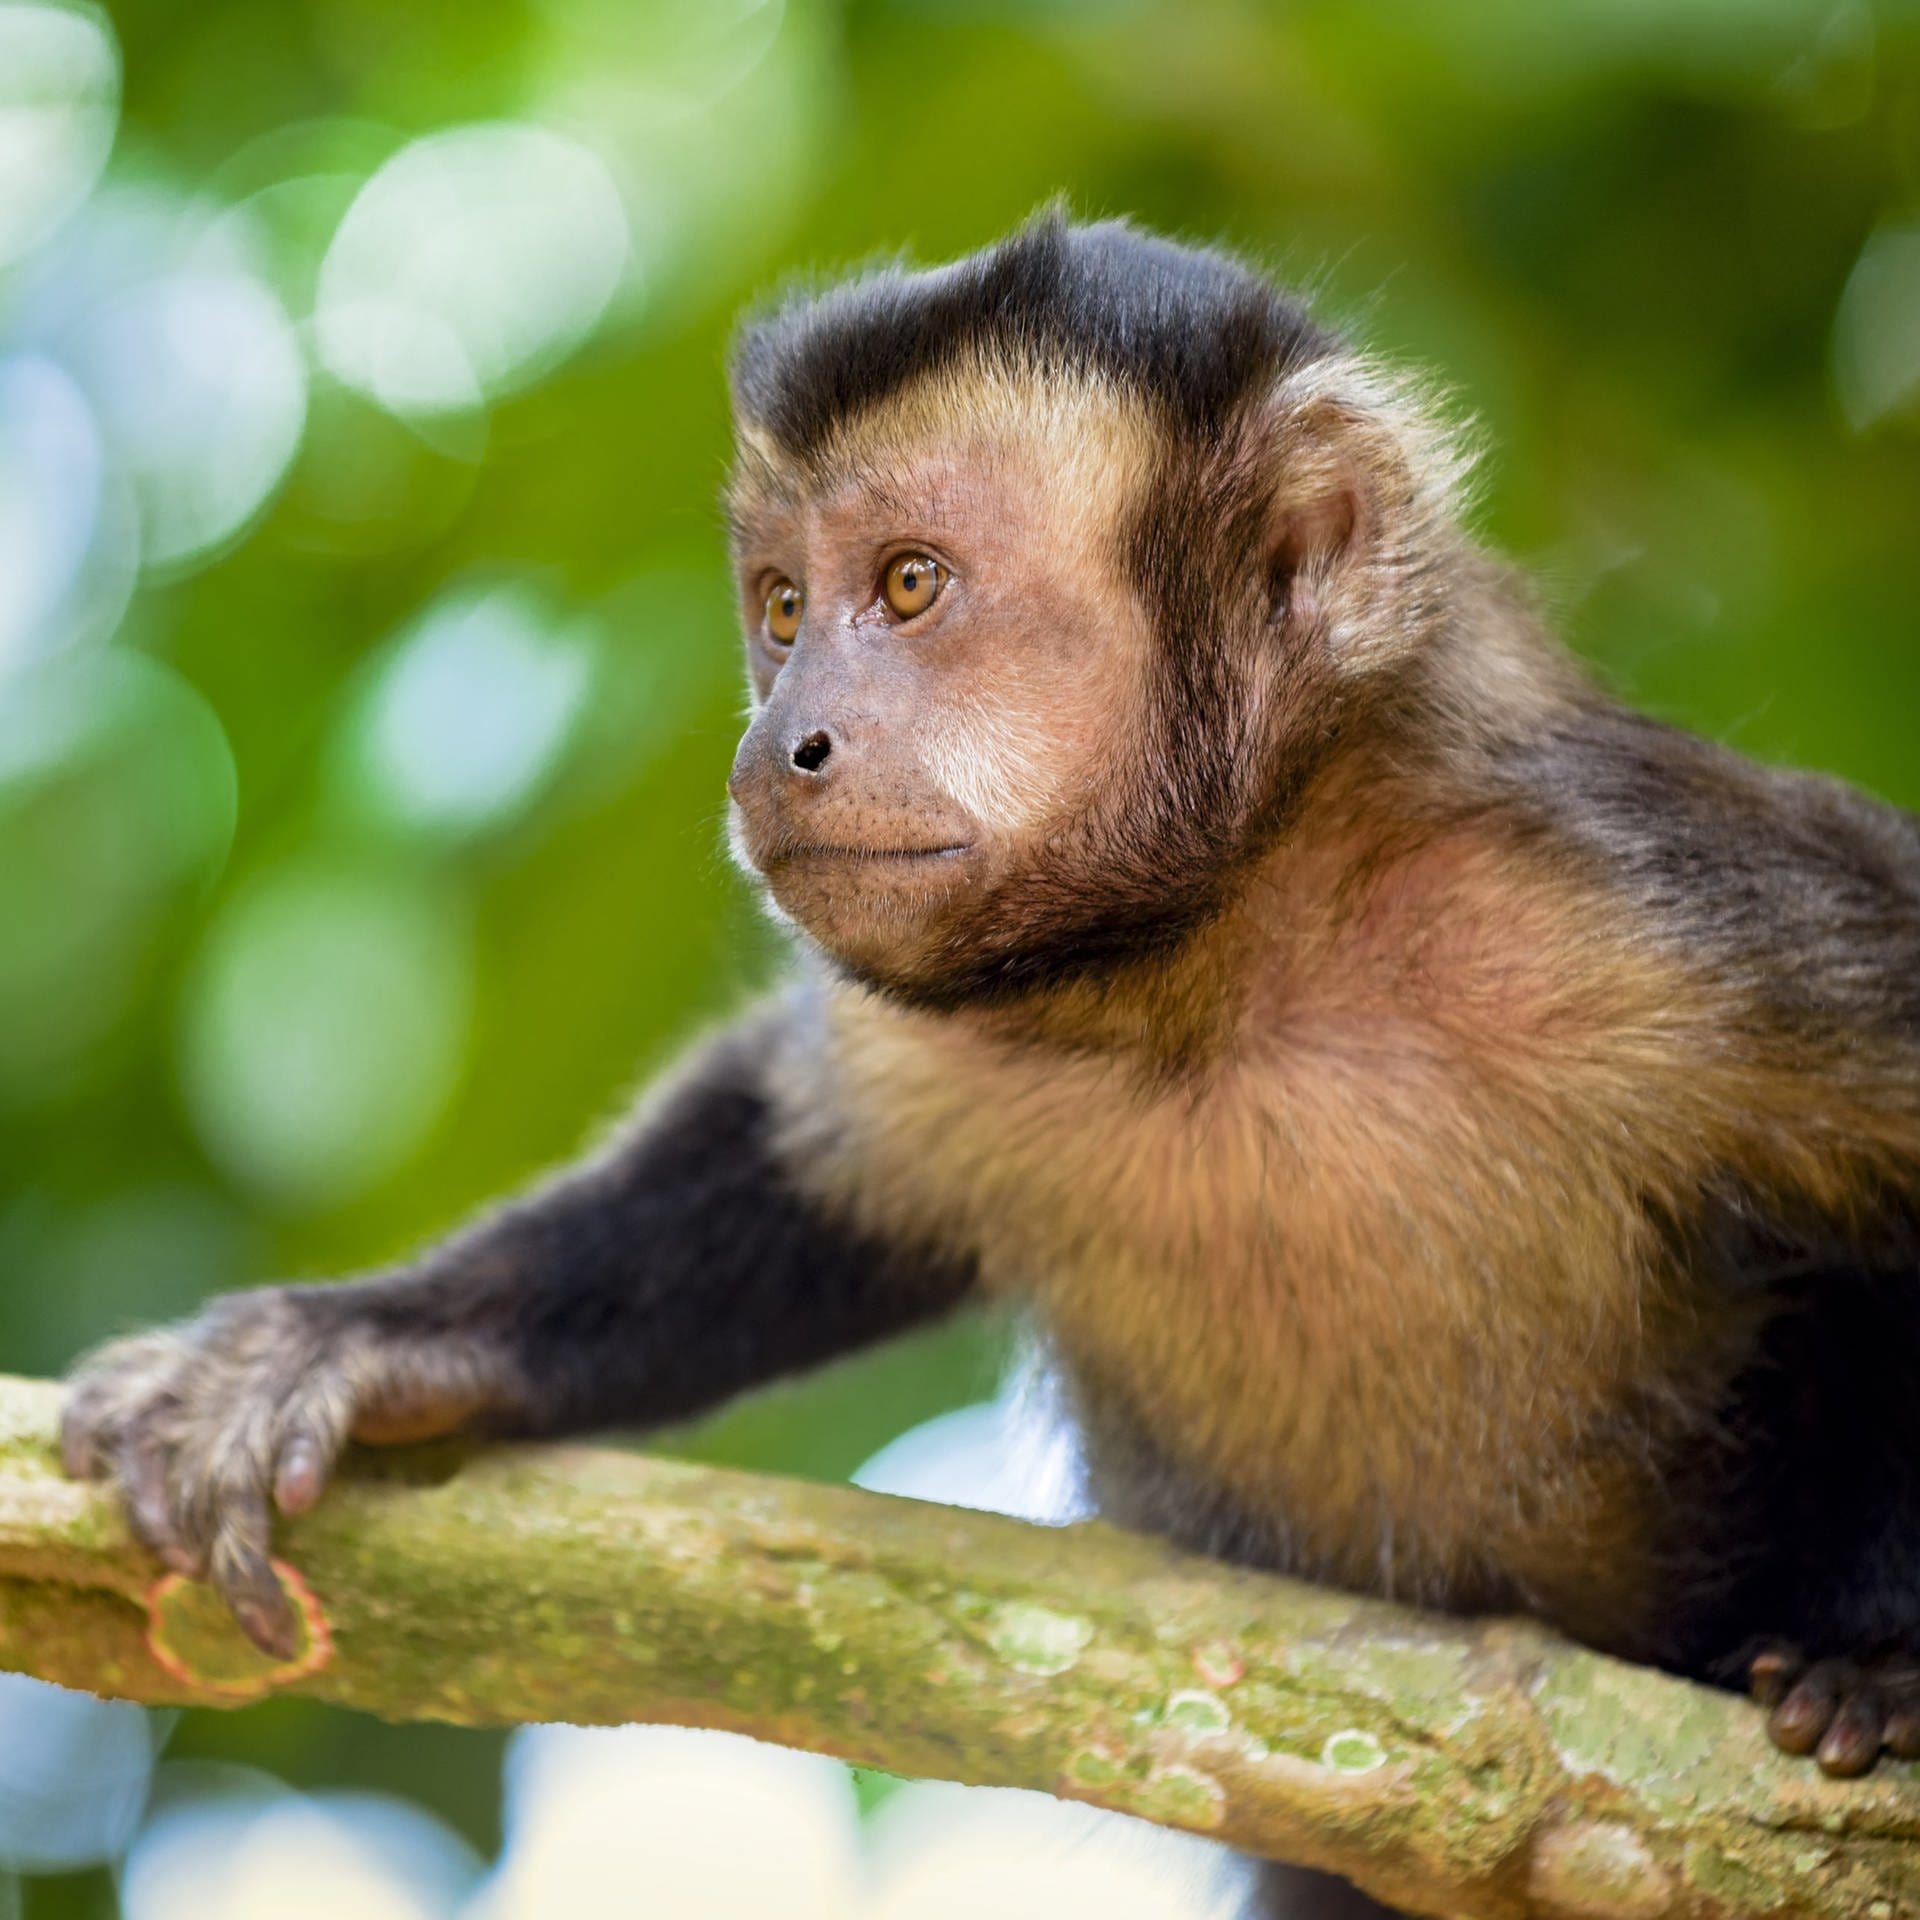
(1035, 681)
(946, 670)
(1063, 567)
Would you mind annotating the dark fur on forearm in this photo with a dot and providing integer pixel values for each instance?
(681, 1266)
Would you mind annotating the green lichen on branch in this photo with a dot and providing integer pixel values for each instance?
(1461, 1768)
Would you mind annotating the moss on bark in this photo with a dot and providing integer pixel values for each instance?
(1451, 1767)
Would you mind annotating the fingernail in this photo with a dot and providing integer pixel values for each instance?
(270, 1632)
(1849, 1751)
(1800, 1722)
(297, 1485)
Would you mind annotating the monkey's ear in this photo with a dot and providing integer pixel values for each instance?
(1316, 518)
(1362, 489)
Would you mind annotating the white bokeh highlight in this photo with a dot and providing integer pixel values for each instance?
(471, 262)
(1017, 1454)
(681, 1825)
(53, 480)
(59, 106)
(1876, 335)
(201, 390)
(469, 713)
(324, 1029)
(239, 1855)
(944, 1852)
(74, 1774)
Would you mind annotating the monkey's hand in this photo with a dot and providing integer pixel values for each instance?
(206, 1426)
(1843, 1711)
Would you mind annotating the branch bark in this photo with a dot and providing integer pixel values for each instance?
(1449, 1767)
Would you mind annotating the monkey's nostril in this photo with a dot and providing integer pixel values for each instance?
(811, 754)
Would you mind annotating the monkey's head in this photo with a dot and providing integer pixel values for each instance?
(1061, 568)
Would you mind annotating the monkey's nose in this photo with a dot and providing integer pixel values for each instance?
(811, 752)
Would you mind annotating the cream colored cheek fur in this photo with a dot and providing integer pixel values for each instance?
(1001, 766)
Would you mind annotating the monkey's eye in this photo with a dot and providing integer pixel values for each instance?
(913, 584)
(785, 602)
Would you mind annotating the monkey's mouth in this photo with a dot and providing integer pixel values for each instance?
(869, 903)
(797, 855)
(811, 850)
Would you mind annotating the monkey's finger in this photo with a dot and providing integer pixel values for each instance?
(1772, 1671)
(243, 1575)
(144, 1469)
(1852, 1743)
(1800, 1722)
(300, 1475)
(83, 1451)
(1903, 1731)
(312, 1434)
(113, 1388)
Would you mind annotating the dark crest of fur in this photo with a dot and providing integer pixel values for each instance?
(1192, 330)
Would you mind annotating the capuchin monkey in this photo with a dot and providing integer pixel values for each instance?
(1459, 1138)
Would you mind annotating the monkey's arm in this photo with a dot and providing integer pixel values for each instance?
(678, 1268)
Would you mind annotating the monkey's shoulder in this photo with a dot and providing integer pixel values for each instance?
(1794, 884)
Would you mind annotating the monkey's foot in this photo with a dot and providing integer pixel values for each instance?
(1844, 1712)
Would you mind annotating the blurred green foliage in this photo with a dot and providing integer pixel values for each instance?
(364, 709)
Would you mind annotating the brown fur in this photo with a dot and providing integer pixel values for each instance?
(1360, 1201)
(1460, 1139)
(1293, 1260)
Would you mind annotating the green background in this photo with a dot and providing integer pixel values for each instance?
(273, 1003)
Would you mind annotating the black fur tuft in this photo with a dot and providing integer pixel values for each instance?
(1191, 330)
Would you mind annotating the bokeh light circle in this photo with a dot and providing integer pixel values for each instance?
(468, 714)
(74, 1773)
(202, 391)
(53, 479)
(470, 263)
(59, 105)
(233, 1849)
(594, 1812)
(1876, 343)
(118, 799)
(324, 1028)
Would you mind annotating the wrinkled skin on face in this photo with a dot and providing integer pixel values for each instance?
(905, 782)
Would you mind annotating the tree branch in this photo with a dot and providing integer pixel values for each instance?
(1462, 1768)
